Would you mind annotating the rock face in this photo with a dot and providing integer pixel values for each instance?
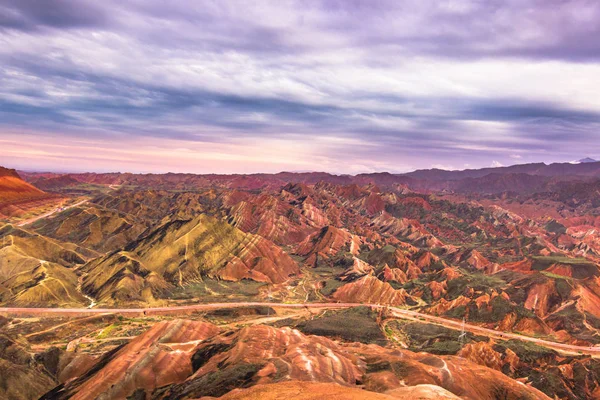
(406, 228)
(159, 357)
(393, 369)
(183, 251)
(96, 228)
(358, 269)
(185, 359)
(557, 376)
(273, 218)
(14, 189)
(20, 377)
(262, 354)
(370, 290)
(35, 270)
(315, 391)
(328, 243)
(18, 196)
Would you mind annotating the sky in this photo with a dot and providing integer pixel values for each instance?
(342, 86)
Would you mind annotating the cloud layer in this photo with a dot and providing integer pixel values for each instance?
(343, 86)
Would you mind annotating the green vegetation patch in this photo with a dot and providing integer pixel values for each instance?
(380, 256)
(430, 338)
(500, 307)
(357, 324)
(108, 331)
(555, 227)
(574, 321)
(581, 268)
(234, 313)
(550, 382)
(527, 351)
(476, 281)
(329, 286)
(210, 290)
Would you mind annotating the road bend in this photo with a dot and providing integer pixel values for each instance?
(394, 312)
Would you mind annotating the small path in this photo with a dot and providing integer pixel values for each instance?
(54, 327)
(46, 215)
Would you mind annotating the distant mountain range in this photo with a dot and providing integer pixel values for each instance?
(523, 178)
(587, 160)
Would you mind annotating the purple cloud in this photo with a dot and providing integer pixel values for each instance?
(385, 84)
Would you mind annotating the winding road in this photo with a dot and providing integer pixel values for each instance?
(49, 213)
(394, 312)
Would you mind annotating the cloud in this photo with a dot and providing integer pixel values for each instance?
(496, 164)
(444, 167)
(31, 15)
(395, 84)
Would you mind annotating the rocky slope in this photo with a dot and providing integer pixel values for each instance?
(159, 357)
(14, 189)
(183, 359)
(183, 251)
(38, 271)
(21, 378)
(313, 391)
(93, 227)
(16, 195)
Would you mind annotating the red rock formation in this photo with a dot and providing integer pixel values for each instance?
(405, 264)
(416, 201)
(373, 204)
(270, 355)
(538, 298)
(261, 261)
(370, 290)
(298, 390)
(521, 266)
(14, 189)
(454, 374)
(482, 354)
(313, 358)
(450, 273)
(410, 229)
(561, 269)
(328, 243)
(476, 260)
(358, 269)
(588, 296)
(395, 274)
(18, 196)
(156, 358)
(426, 260)
(438, 289)
(274, 218)
(350, 192)
(443, 305)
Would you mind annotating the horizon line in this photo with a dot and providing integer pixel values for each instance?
(283, 172)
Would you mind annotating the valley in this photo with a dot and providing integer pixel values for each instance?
(494, 273)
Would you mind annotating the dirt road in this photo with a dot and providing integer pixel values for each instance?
(49, 213)
(491, 333)
(394, 311)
